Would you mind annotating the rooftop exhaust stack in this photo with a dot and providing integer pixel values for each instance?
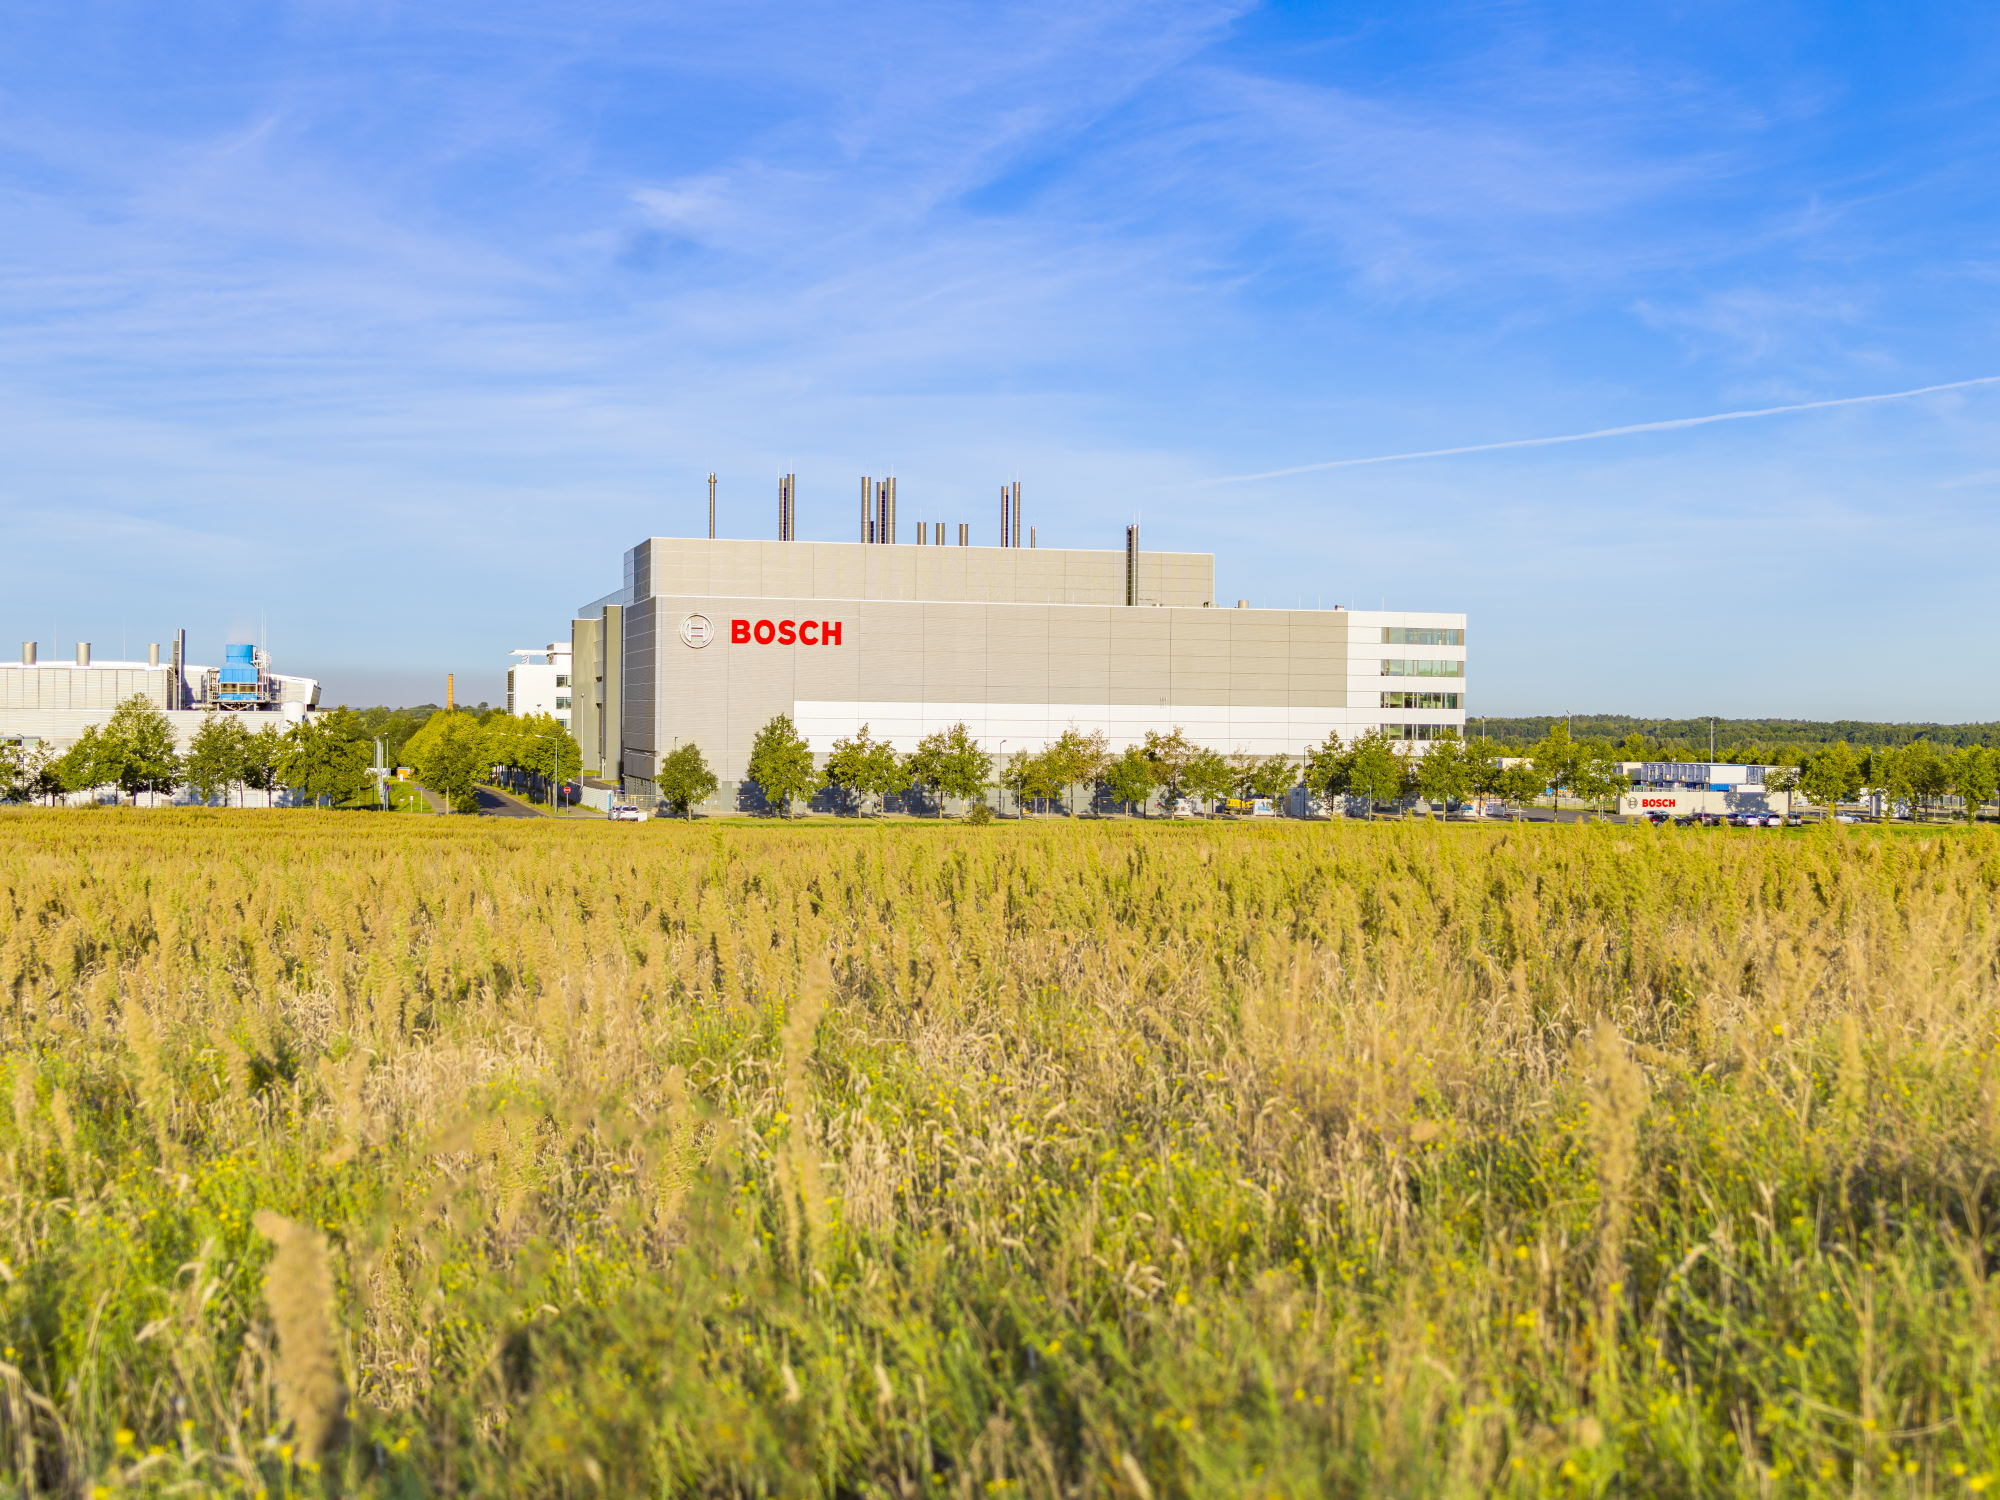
(83, 653)
(1031, 536)
(28, 649)
(711, 505)
(1015, 539)
(1132, 563)
(867, 518)
(885, 512)
(788, 507)
(177, 682)
(152, 653)
(1006, 515)
(964, 534)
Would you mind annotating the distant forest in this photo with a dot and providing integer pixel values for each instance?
(1746, 740)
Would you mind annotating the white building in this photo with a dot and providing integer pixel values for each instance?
(539, 682)
(52, 702)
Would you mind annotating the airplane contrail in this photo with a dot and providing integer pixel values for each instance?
(1605, 432)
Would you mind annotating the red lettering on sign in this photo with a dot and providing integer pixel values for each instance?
(1659, 802)
(785, 632)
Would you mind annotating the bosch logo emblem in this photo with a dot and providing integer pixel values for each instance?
(696, 631)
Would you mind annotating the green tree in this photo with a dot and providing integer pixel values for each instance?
(449, 754)
(864, 768)
(1928, 775)
(1129, 778)
(1029, 776)
(1444, 772)
(1274, 777)
(1520, 782)
(535, 745)
(1973, 773)
(1170, 754)
(1832, 775)
(263, 749)
(139, 748)
(325, 759)
(684, 779)
(1483, 769)
(1077, 759)
(91, 762)
(1783, 781)
(1208, 778)
(217, 756)
(954, 764)
(13, 772)
(1889, 775)
(1597, 776)
(781, 763)
(1326, 768)
(1556, 759)
(1376, 771)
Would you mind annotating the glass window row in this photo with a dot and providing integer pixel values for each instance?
(1406, 699)
(1421, 635)
(1414, 668)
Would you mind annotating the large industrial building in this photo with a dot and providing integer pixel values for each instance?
(708, 639)
(53, 702)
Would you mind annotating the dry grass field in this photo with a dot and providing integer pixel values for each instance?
(373, 1156)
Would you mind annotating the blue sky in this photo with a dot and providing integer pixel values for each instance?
(384, 327)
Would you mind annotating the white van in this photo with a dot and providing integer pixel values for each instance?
(625, 812)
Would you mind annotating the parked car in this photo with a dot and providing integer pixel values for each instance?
(625, 812)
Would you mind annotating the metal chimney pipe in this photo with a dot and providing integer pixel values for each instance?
(891, 482)
(83, 653)
(711, 505)
(1132, 563)
(153, 654)
(1006, 514)
(867, 521)
(964, 534)
(1031, 536)
(28, 653)
(1017, 514)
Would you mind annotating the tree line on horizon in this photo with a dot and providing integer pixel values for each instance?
(1737, 741)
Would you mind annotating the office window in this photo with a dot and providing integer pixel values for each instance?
(1419, 731)
(562, 703)
(1422, 700)
(562, 680)
(1421, 635)
(1409, 668)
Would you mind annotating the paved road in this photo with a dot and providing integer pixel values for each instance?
(497, 804)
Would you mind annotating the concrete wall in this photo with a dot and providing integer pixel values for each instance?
(849, 570)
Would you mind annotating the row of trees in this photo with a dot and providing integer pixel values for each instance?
(1373, 767)
(324, 759)
(949, 763)
(453, 753)
(1917, 775)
